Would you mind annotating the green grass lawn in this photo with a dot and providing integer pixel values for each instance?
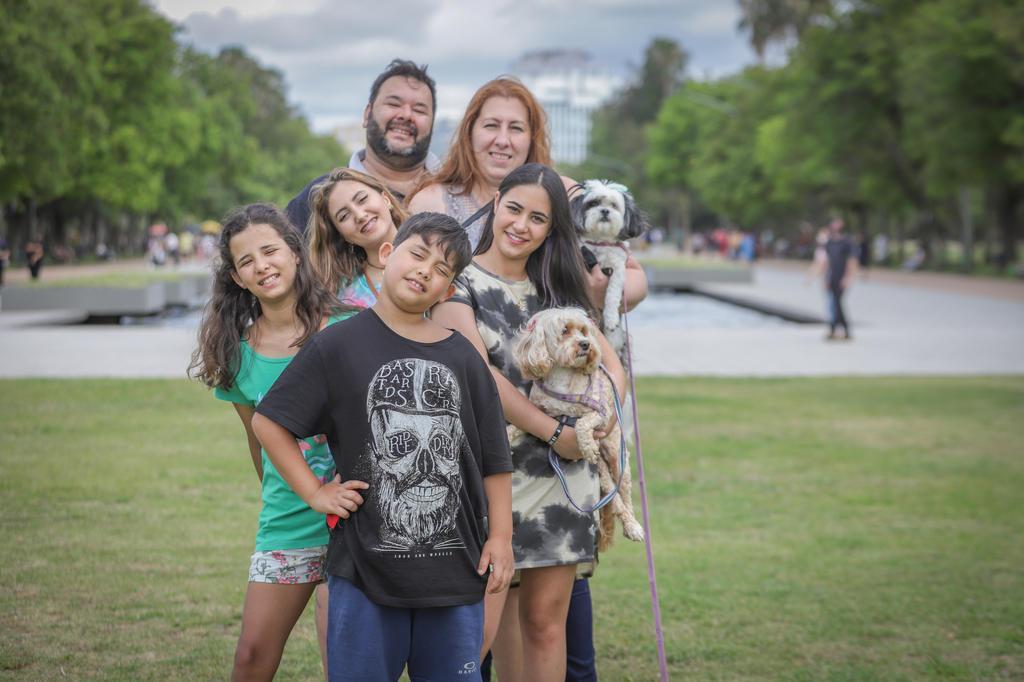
(833, 529)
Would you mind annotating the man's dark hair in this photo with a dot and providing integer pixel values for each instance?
(443, 230)
(409, 69)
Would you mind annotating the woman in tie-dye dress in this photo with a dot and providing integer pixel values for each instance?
(352, 214)
(528, 259)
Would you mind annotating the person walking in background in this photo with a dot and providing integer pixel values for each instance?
(172, 244)
(837, 260)
(187, 245)
(5, 257)
(34, 253)
(864, 255)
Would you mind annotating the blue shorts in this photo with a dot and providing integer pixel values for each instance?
(367, 642)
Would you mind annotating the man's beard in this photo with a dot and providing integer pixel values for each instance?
(402, 159)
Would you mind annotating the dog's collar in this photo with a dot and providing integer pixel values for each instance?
(587, 397)
(622, 245)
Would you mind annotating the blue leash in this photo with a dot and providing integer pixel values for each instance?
(553, 458)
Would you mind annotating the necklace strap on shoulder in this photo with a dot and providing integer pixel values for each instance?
(476, 216)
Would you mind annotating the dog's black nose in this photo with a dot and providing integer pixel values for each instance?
(584, 345)
(604, 212)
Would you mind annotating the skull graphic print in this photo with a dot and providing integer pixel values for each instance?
(415, 453)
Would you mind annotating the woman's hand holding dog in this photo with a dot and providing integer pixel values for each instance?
(597, 286)
(567, 447)
(602, 433)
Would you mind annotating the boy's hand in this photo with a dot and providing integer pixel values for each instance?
(340, 499)
(498, 558)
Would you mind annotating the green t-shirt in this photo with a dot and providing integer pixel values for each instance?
(286, 522)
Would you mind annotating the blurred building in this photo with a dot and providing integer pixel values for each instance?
(570, 87)
(444, 130)
(351, 135)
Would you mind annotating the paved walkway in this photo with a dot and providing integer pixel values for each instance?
(50, 272)
(915, 327)
(898, 328)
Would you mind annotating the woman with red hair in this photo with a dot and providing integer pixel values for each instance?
(504, 127)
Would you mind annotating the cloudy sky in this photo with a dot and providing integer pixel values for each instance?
(330, 50)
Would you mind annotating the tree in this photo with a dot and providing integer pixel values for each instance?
(706, 139)
(618, 138)
(45, 86)
(963, 91)
(777, 21)
(114, 124)
(133, 98)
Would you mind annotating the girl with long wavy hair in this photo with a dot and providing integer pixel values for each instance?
(266, 303)
(352, 215)
(504, 127)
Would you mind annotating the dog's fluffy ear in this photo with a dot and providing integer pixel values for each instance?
(576, 210)
(531, 350)
(635, 222)
(594, 354)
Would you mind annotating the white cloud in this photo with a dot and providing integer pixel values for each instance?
(179, 10)
(716, 18)
(330, 52)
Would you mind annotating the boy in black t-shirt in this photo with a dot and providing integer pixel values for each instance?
(414, 422)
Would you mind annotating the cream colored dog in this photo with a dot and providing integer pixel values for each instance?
(559, 350)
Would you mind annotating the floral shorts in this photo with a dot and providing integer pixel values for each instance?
(289, 566)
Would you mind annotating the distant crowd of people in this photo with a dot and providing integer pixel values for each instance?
(165, 247)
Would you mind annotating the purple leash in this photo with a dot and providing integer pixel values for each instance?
(658, 632)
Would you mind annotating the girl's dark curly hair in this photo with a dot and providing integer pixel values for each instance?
(231, 308)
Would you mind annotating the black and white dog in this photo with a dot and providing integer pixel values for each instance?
(606, 216)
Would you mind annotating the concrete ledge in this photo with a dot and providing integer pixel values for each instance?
(785, 312)
(687, 279)
(189, 292)
(92, 300)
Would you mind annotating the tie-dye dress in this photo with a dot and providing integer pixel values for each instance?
(547, 529)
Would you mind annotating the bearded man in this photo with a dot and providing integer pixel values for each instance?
(399, 120)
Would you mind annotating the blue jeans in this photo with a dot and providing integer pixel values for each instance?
(837, 317)
(581, 659)
(367, 642)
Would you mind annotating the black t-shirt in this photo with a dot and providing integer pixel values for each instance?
(422, 424)
(838, 251)
(298, 210)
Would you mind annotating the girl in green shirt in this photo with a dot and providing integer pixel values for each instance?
(266, 303)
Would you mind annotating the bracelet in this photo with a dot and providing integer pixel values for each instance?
(556, 434)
